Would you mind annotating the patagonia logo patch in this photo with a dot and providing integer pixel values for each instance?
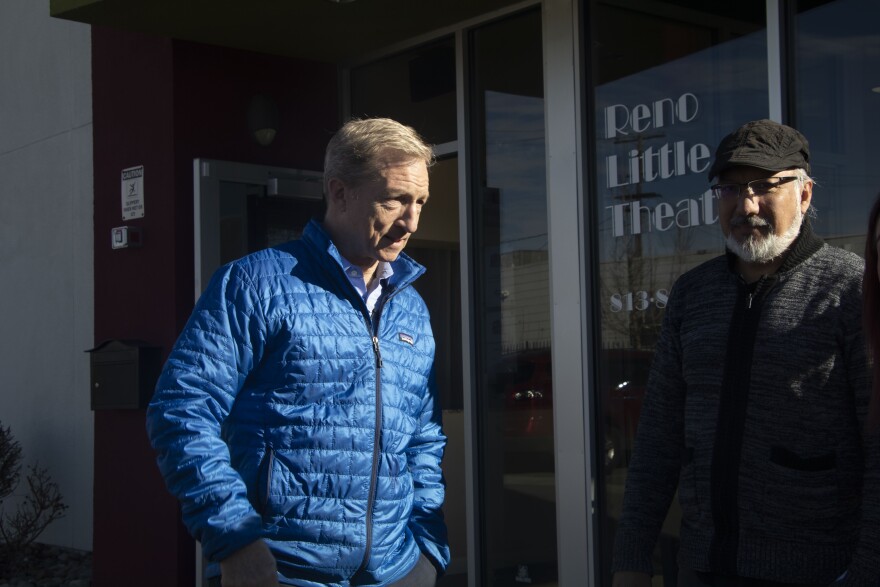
(404, 337)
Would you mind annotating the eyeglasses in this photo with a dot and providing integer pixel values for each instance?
(756, 187)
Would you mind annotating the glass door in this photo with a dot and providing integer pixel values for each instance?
(240, 208)
(508, 275)
(514, 387)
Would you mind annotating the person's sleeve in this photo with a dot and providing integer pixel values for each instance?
(652, 476)
(195, 392)
(425, 455)
(864, 568)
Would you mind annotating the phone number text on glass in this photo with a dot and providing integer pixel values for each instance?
(639, 300)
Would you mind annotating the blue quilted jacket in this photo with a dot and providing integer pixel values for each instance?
(286, 413)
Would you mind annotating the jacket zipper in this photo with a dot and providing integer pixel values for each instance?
(753, 295)
(373, 328)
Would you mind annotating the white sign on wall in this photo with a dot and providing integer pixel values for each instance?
(133, 192)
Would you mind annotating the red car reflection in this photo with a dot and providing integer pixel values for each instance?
(528, 392)
(527, 384)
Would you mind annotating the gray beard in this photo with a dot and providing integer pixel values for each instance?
(764, 249)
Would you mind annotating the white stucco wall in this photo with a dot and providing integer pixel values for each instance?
(46, 267)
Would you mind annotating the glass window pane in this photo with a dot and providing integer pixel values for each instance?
(416, 87)
(275, 220)
(672, 78)
(517, 480)
(837, 107)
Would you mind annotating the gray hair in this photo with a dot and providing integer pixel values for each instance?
(802, 179)
(355, 152)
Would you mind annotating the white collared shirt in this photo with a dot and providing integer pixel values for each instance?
(356, 277)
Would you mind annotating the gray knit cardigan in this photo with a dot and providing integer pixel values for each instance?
(755, 413)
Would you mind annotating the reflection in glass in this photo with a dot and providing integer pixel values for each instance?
(837, 107)
(668, 89)
(517, 480)
(250, 220)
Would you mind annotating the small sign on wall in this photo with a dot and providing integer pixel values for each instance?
(133, 192)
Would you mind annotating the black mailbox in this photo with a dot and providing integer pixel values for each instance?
(124, 373)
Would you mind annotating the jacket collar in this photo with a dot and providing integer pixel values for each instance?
(405, 268)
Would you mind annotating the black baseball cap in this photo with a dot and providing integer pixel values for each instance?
(763, 144)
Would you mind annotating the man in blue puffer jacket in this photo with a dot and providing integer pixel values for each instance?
(296, 418)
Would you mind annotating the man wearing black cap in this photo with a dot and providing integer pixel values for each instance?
(757, 397)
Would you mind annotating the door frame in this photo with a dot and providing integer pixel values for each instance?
(207, 176)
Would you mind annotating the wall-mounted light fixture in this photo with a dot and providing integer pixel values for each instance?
(263, 119)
